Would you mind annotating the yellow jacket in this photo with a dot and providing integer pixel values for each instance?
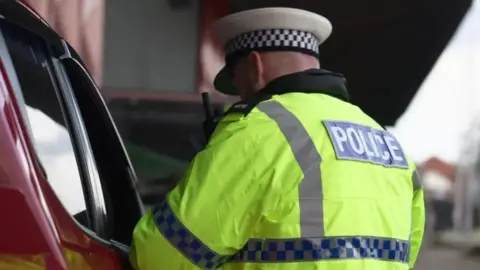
(292, 181)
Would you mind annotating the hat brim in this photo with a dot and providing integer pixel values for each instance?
(223, 82)
(235, 24)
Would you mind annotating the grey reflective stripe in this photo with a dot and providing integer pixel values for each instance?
(416, 180)
(325, 248)
(308, 158)
(185, 241)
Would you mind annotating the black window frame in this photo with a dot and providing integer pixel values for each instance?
(119, 179)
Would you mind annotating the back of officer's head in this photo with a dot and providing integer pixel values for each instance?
(254, 71)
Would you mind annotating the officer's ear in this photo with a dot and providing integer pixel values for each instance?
(256, 69)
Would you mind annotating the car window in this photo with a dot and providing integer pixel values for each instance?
(116, 176)
(45, 117)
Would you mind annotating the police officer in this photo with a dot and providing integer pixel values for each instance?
(295, 176)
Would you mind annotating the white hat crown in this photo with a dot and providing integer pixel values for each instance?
(272, 29)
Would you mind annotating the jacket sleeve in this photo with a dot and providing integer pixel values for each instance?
(211, 214)
(418, 220)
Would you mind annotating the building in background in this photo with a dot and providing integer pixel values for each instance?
(438, 180)
(438, 177)
(81, 23)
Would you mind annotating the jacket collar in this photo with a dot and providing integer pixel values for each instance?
(318, 81)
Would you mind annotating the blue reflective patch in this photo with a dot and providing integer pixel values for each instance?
(323, 249)
(361, 143)
(185, 241)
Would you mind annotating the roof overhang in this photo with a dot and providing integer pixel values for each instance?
(385, 48)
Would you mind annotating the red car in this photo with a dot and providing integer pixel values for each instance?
(67, 188)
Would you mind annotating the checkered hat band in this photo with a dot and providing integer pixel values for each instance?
(274, 39)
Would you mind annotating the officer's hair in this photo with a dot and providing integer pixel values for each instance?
(289, 62)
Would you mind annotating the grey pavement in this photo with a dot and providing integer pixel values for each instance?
(442, 258)
(434, 257)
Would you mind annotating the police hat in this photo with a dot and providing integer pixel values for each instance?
(267, 29)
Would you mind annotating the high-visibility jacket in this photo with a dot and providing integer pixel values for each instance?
(293, 180)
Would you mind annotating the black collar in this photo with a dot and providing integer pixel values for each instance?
(317, 81)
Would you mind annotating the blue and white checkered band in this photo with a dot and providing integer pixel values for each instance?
(274, 39)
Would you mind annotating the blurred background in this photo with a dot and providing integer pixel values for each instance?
(413, 65)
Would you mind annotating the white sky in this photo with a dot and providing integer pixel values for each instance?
(443, 109)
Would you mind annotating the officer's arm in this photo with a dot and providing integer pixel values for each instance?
(418, 222)
(211, 214)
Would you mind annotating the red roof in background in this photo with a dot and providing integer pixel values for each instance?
(436, 164)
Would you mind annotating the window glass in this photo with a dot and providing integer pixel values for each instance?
(45, 116)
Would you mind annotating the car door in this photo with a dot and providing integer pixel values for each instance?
(88, 182)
